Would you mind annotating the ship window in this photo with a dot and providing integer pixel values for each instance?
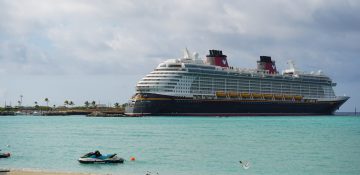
(174, 65)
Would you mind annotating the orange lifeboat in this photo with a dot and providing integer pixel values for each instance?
(288, 97)
(278, 96)
(268, 96)
(245, 95)
(255, 95)
(233, 94)
(298, 97)
(220, 94)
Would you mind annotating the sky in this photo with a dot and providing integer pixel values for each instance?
(97, 50)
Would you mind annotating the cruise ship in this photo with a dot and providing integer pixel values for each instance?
(192, 86)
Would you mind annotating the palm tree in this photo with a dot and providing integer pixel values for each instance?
(87, 104)
(47, 102)
(66, 102)
(116, 105)
(71, 103)
(93, 103)
(36, 104)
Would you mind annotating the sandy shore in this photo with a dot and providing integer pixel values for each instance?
(30, 172)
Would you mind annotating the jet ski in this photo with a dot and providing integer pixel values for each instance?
(4, 155)
(96, 157)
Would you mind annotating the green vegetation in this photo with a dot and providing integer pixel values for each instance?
(69, 108)
(36, 105)
(47, 102)
(71, 103)
(66, 103)
(87, 104)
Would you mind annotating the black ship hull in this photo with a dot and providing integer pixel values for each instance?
(161, 105)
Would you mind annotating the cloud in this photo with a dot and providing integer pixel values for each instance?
(339, 17)
(124, 34)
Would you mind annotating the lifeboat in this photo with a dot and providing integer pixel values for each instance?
(220, 94)
(255, 95)
(278, 96)
(233, 94)
(298, 97)
(288, 97)
(245, 95)
(268, 96)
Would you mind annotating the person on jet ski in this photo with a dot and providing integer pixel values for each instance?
(97, 153)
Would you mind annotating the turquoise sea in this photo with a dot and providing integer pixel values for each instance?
(185, 145)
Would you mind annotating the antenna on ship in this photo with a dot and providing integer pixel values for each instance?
(292, 68)
(291, 64)
(187, 53)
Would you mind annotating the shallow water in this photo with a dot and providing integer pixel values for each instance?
(188, 145)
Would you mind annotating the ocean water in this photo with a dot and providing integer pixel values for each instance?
(185, 145)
